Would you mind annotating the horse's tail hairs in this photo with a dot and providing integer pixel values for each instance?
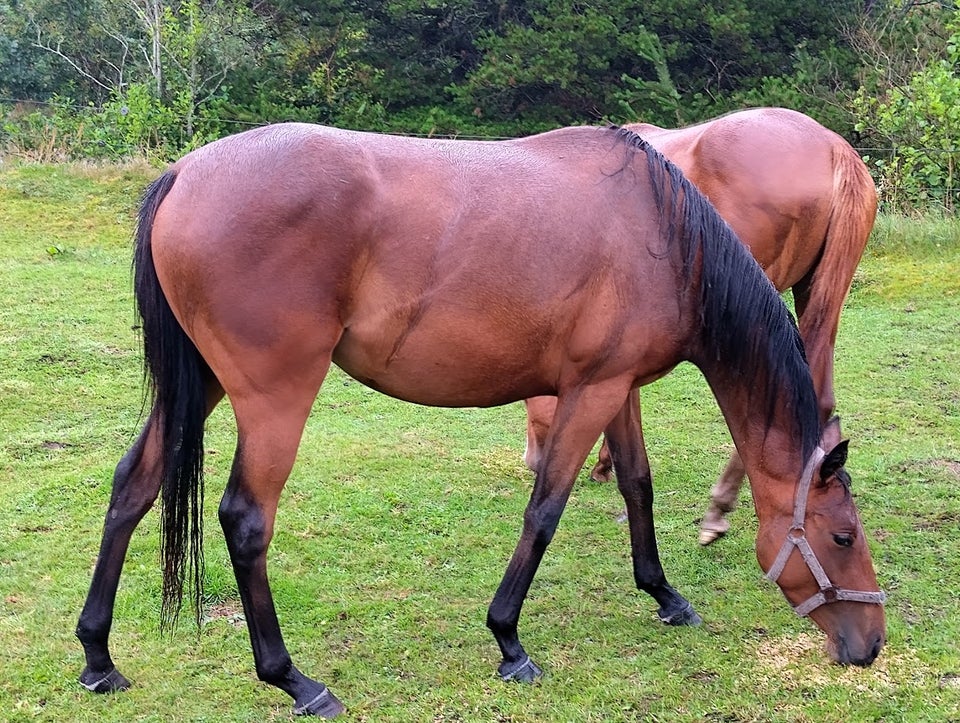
(174, 372)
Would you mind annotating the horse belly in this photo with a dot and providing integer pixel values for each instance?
(446, 361)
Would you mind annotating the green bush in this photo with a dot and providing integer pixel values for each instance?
(921, 122)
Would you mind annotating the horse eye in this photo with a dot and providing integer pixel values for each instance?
(843, 540)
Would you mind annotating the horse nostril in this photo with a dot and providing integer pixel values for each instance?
(867, 659)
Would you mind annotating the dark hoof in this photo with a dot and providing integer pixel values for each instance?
(110, 682)
(525, 671)
(324, 705)
(684, 616)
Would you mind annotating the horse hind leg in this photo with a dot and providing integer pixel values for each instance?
(136, 485)
(540, 411)
(603, 468)
(268, 435)
(723, 498)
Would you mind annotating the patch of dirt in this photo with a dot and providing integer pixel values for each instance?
(937, 520)
(229, 610)
(795, 662)
(950, 680)
(951, 466)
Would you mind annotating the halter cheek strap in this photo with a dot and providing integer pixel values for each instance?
(797, 538)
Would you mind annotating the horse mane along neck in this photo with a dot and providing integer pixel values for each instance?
(747, 336)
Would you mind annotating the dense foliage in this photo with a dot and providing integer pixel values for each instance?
(111, 78)
(916, 114)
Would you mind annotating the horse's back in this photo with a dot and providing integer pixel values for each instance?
(444, 272)
(770, 172)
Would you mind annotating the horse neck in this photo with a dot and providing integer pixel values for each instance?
(745, 341)
(772, 444)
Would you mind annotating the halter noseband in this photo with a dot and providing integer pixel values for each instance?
(796, 537)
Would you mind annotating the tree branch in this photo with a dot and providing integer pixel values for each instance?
(70, 61)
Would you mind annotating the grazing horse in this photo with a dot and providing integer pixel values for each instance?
(577, 263)
(803, 202)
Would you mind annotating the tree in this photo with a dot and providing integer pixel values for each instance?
(564, 61)
(66, 47)
(196, 47)
(670, 62)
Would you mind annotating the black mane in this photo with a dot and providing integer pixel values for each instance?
(745, 326)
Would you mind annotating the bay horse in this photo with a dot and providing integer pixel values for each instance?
(804, 203)
(577, 263)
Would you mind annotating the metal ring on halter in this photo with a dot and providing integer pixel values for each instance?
(797, 538)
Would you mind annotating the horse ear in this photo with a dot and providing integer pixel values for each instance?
(835, 459)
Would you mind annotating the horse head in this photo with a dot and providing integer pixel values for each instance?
(816, 551)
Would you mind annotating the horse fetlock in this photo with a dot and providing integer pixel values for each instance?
(714, 526)
(280, 672)
(601, 472)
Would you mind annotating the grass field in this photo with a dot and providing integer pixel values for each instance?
(398, 520)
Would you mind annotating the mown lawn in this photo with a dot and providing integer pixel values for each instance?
(398, 520)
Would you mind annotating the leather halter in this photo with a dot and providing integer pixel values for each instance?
(796, 537)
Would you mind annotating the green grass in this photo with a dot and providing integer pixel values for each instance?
(398, 520)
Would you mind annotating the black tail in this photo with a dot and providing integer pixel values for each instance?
(174, 372)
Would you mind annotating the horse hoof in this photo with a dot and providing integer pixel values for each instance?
(684, 616)
(526, 671)
(601, 473)
(713, 529)
(708, 537)
(110, 682)
(323, 705)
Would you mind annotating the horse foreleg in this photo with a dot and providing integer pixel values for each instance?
(540, 411)
(136, 484)
(629, 455)
(723, 498)
(265, 455)
(576, 426)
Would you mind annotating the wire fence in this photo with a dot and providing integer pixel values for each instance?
(912, 178)
(902, 186)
